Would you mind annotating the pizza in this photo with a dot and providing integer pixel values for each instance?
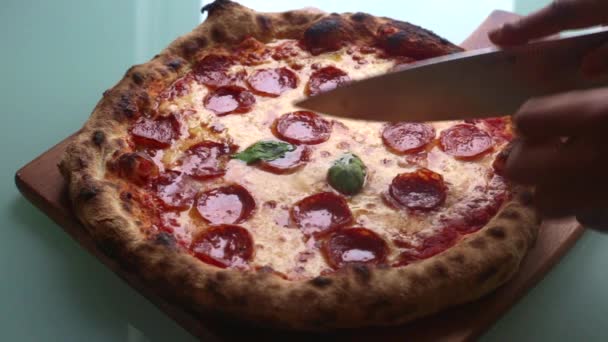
(197, 173)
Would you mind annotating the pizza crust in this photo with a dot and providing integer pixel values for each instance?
(355, 296)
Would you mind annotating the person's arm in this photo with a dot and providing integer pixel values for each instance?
(563, 145)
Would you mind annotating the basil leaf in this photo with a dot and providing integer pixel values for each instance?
(347, 174)
(264, 150)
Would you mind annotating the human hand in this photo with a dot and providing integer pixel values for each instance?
(563, 151)
(560, 15)
(563, 145)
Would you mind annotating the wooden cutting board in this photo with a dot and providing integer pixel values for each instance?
(41, 183)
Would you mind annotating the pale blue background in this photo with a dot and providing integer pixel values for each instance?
(56, 59)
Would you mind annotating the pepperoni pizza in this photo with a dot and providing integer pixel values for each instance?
(197, 173)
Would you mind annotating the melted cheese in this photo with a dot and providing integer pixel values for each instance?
(281, 245)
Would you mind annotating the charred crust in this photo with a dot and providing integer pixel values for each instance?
(439, 270)
(327, 34)
(487, 274)
(295, 17)
(360, 17)
(87, 192)
(165, 239)
(137, 77)
(264, 23)
(321, 282)
(191, 46)
(218, 34)
(127, 106)
(497, 232)
(98, 138)
(217, 6)
(479, 243)
(174, 64)
(110, 246)
(399, 38)
(362, 273)
(457, 258)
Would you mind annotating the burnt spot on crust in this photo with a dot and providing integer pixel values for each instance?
(497, 232)
(218, 34)
(457, 258)
(321, 282)
(479, 243)
(191, 46)
(404, 39)
(264, 22)
(98, 138)
(362, 273)
(217, 6)
(360, 17)
(295, 17)
(510, 214)
(127, 106)
(487, 274)
(137, 77)
(87, 192)
(439, 270)
(110, 246)
(165, 239)
(327, 34)
(174, 64)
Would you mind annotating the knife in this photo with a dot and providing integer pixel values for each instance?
(471, 84)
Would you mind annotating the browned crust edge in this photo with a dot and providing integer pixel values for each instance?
(353, 297)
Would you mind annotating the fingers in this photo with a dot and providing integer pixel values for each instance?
(568, 114)
(595, 62)
(554, 161)
(558, 16)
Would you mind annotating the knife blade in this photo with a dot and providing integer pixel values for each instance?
(471, 84)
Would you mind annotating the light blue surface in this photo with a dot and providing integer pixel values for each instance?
(58, 57)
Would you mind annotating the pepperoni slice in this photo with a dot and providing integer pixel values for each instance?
(497, 127)
(302, 127)
(326, 79)
(273, 82)
(321, 213)
(406, 137)
(354, 246)
(290, 162)
(465, 141)
(419, 190)
(229, 99)
(228, 204)
(179, 88)
(212, 70)
(206, 159)
(136, 167)
(175, 190)
(431, 245)
(155, 133)
(224, 246)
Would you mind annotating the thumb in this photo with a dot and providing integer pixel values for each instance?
(558, 16)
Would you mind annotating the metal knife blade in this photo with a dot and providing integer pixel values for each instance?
(472, 84)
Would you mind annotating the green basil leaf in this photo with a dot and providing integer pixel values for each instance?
(264, 150)
(347, 174)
